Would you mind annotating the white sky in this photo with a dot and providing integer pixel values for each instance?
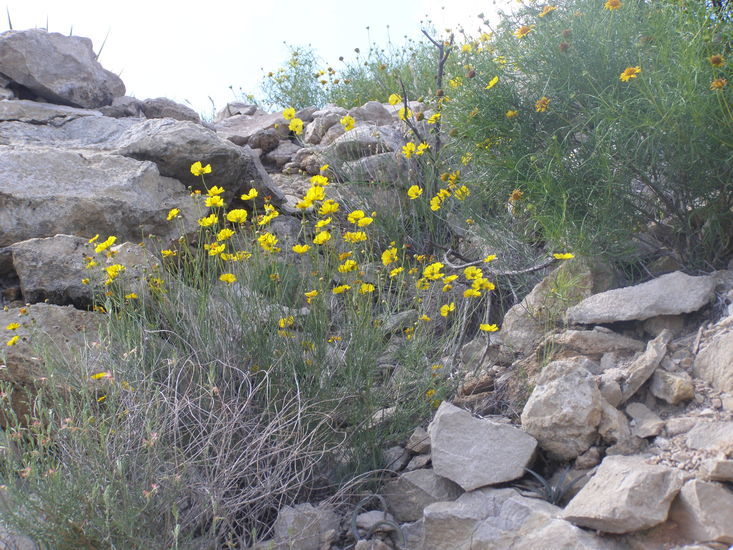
(188, 51)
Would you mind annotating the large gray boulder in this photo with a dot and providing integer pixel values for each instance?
(304, 526)
(713, 362)
(626, 494)
(475, 452)
(162, 107)
(704, 512)
(669, 294)
(61, 69)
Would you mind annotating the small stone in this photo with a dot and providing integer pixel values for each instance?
(410, 493)
(417, 462)
(679, 425)
(646, 423)
(672, 387)
(715, 469)
(704, 511)
(419, 442)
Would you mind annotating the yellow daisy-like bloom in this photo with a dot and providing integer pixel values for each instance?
(523, 31)
(228, 278)
(238, 215)
(172, 213)
(224, 234)
(717, 60)
(323, 223)
(542, 104)
(433, 118)
(168, 253)
(365, 221)
(404, 114)
(113, 271)
(482, 284)
(355, 216)
(471, 293)
(101, 247)
(489, 258)
(462, 193)
(268, 242)
(216, 248)
(310, 295)
(296, 126)
(12, 326)
(394, 99)
(718, 84)
(629, 73)
(209, 220)
(215, 190)
(422, 284)
(449, 278)
(301, 248)
(366, 288)
(408, 149)
(396, 271)
(432, 272)
(322, 169)
(611, 5)
(389, 256)
(286, 322)
(435, 203)
(511, 114)
(466, 48)
(516, 195)
(424, 318)
(94, 239)
(251, 194)
(492, 83)
(215, 201)
(354, 237)
(422, 148)
(563, 256)
(322, 237)
(347, 266)
(447, 308)
(131, 296)
(289, 113)
(13, 340)
(197, 169)
(329, 206)
(414, 191)
(485, 327)
(340, 289)
(546, 10)
(348, 122)
(472, 273)
(319, 179)
(85, 281)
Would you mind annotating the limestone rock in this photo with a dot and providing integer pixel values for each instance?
(704, 512)
(590, 343)
(711, 435)
(364, 141)
(33, 112)
(282, 154)
(475, 452)
(646, 423)
(564, 410)
(61, 69)
(235, 108)
(669, 294)
(239, 128)
(713, 362)
(410, 493)
(644, 366)
(672, 387)
(372, 112)
(304, 526)
(717, 470)
(419, 441)
(122, 107)
(322, 121)
(162, 107)
(626, 494)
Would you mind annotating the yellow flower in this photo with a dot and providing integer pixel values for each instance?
(268, 242)
(511, 114)
(414, 191)
(611, 5)
(488, 328)
(447, 308)
(348, 122)
(215, 201)
(434, 118)
(355, 216)
(251, 194)
(462, 192)
(389, 256)
(286, 322)
(366, 288)
(323, 223)
(422, 148)
(365, 221)
(424, 318)
(12, 326)
(489, 258)
(167, 253)
(492, 83)
(85, 281)
(430, 393)
(215, 190)
(172, 213)
(296, 126)
(209, 220)
(319, 179)
(394, 99)
(101, 247)
(546, 10)
(345, 255)
(238, 215)
(228, 278)
(347, 266)
(472, 273)
(542, 104)
(466, 48)
(328, 206)
(629, 73)
(435, 203)
(94, 239)
(471, 293)
(432, 271)
(224, 234)
(523, 31)
(408, 149)
(422, 284)
(310, 295)
(340, 289)
(563, 256)
(197, 169)
(289, 113)
(322, 237)
(718, 84)
(301, 248)
(396, 271)
(322, 169)
(13, 340)
(717, 60)
(482, 284)
(404, 114)
(354, 236)
(216, 248)
(516, 195)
